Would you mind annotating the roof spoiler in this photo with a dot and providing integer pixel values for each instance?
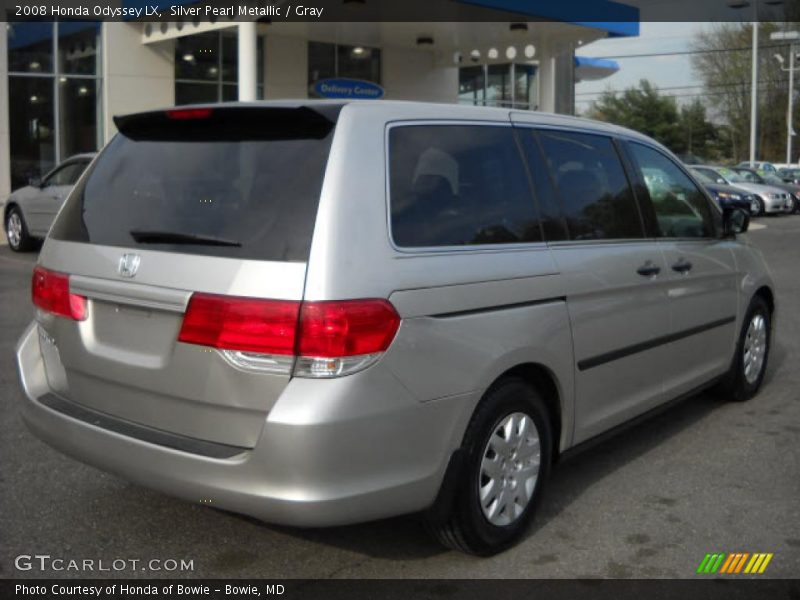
(217, 123)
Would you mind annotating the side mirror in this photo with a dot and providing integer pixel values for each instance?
(35, 182)
(734, 220)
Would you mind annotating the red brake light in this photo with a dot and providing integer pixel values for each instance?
(246, 324)
(346, 328)
(189, 113)
(50, 292)
(315, 329)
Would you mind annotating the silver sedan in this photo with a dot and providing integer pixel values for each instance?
(29, 211)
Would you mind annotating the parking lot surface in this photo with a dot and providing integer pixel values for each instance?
(704, 476)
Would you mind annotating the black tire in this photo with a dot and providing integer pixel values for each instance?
(761, 208)
(736, 386)
(465, 527)
(25, 241)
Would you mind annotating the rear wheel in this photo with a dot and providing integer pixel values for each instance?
(507, 455)
(19, 240)
(752, 351)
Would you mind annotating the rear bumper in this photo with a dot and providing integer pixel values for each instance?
(362, 450)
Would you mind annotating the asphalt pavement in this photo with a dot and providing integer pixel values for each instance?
(704, 476)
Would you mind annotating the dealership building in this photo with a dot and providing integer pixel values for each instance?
(61, 83)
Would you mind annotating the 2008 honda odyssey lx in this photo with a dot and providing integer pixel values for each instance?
(323, 313)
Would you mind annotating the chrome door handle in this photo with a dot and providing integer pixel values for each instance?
(649, 269)
(682, 266)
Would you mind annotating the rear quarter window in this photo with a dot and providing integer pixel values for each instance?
(459, 185)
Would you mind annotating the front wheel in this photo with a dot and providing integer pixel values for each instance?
(752, 351)
(507, 455)
(757, 206)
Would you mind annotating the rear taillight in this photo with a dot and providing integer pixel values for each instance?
(245, 324)
(50, 292)
(338, 338)
(329, 339)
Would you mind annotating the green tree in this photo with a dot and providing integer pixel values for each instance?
(642, 109)
(697, 135)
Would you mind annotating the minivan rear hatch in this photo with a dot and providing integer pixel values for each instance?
(208, 202)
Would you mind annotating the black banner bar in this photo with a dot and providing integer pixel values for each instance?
(406, 589)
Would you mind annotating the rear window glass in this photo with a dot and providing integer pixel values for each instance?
(241, 186)
(456, 185)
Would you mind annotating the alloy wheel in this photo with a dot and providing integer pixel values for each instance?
(755, 348)
(14, 229)
(509, 469)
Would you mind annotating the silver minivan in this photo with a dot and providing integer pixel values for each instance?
(320, 313)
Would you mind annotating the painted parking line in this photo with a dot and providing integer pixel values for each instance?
(756, 226)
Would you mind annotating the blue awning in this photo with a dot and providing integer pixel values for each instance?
(619, 20)
(589, 69)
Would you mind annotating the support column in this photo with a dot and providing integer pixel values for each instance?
(547, 81)
(5, 160)
(248, 38)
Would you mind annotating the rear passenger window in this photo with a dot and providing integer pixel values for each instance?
(458, 185)
(597, 200)
(682, 210)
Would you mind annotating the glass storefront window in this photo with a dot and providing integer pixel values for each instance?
(32, 131)
(354, 62)
(78, 109)
(505, 85)
(525, 92)
(30, 47)
(321, 61)
(197, 57)
(78, 48)
(472, 85)
(207, 68)
(196, 93)
(358, 62)
(498, 85)
(54, 94)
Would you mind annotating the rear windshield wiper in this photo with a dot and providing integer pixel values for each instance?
(152, 236)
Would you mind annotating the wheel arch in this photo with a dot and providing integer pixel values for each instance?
(7, 208)
(546, 383)
(767, 294)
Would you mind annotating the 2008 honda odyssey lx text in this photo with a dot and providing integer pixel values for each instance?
(324, 313)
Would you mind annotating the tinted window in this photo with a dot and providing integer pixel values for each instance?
(550, 214)
(251, 177)
(682, 210)
(597, 200)
(457, 185)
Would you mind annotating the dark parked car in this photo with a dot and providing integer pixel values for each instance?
(728, 196)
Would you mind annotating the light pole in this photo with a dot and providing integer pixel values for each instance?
(754, 69)
(790, 36)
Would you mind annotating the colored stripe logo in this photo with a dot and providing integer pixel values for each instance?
(734, 563)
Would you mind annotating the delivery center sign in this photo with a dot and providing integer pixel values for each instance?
(345, 88)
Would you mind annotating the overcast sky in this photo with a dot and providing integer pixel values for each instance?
(662, 71)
